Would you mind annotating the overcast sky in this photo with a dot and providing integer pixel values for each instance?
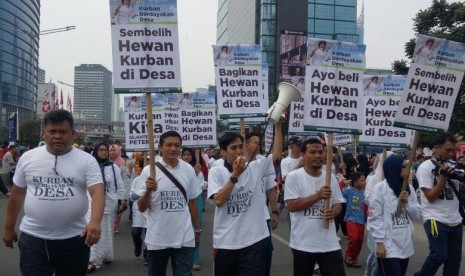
(388, 25)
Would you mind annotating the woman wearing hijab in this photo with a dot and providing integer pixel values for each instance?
(118, 160)
(102, 251)
(393, 235)
(371, 268)
(201, 170)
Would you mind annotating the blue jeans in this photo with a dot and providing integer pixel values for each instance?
(266, 246)
(445, 248)
(41, 257)
(371, 268)
(181, 261)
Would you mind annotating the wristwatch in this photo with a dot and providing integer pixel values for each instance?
(233, 179)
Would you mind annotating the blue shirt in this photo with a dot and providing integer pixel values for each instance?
(355, 205)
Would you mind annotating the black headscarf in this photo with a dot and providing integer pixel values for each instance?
(102, 162)
(392, 168)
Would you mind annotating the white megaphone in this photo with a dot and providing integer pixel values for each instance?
(287, 93)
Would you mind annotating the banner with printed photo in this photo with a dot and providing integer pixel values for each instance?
(135, 121)
(293, 55)
(334, 86)
(195, 117)
(13, 126)
(382, 98)
(238, 72)
(145, 46)
(432, 85)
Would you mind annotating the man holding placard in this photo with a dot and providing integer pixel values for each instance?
(236, 189)
(304, 193)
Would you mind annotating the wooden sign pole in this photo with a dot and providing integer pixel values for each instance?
(413, 151)
(148, 105)
(329, 161)
(384, 159)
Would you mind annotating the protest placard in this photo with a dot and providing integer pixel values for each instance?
(145, 46)
(135, 121)
(238, 71)
(382, 98)
(333, 86)
(432, 85)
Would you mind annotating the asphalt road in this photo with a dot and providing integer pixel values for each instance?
(126, 263)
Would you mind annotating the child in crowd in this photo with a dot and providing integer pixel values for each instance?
(355, 218)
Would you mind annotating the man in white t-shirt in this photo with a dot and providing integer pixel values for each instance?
(236, 188)
(440, 209)
(252, 146)
(172, 224)
(53, 182)
(8, 161)
(304, 193)
(290, 163)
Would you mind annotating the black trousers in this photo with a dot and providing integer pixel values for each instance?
(42, 257)
(242, 262)
(331, 263)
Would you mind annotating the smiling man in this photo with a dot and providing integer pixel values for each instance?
(53, 182)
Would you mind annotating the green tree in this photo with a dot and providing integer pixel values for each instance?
(447, 21)
(29, 132)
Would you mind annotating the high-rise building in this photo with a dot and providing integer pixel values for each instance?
(236, 22)
(93, 92)
(41, 75)
(262, 22)
(19, 56)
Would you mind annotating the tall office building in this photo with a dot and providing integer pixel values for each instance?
(236, 22)
(263, 22)
(333, 19)
(93, 92)
(19, 55)
(41, 75)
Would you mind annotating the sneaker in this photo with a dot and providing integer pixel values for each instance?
(146, 262)
(138, 251)
(196, 267)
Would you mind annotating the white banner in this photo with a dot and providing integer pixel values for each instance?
(333, 86)
(382, 98)
(135, 121)
(145, 46)
(192, 115)
(238, 71)
(432, 85)
(340, 139)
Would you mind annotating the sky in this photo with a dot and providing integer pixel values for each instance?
(388, 25)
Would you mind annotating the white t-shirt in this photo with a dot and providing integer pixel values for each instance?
(138, 219)
(307, 233)
(240, 222)
(396, 233)
(288, 164)
(112, 193)
(219, 162)
(169, 222)
(56, 203)
(445, 208)
(7, 161)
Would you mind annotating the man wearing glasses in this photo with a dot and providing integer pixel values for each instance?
(53, 182)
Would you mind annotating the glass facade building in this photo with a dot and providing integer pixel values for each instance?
(333, 19)
(93, 92)
(19, 57)
(327, 19)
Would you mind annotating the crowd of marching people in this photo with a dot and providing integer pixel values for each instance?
(249, 191)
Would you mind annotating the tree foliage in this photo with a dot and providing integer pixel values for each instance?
(447, 21)
(29, 132)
